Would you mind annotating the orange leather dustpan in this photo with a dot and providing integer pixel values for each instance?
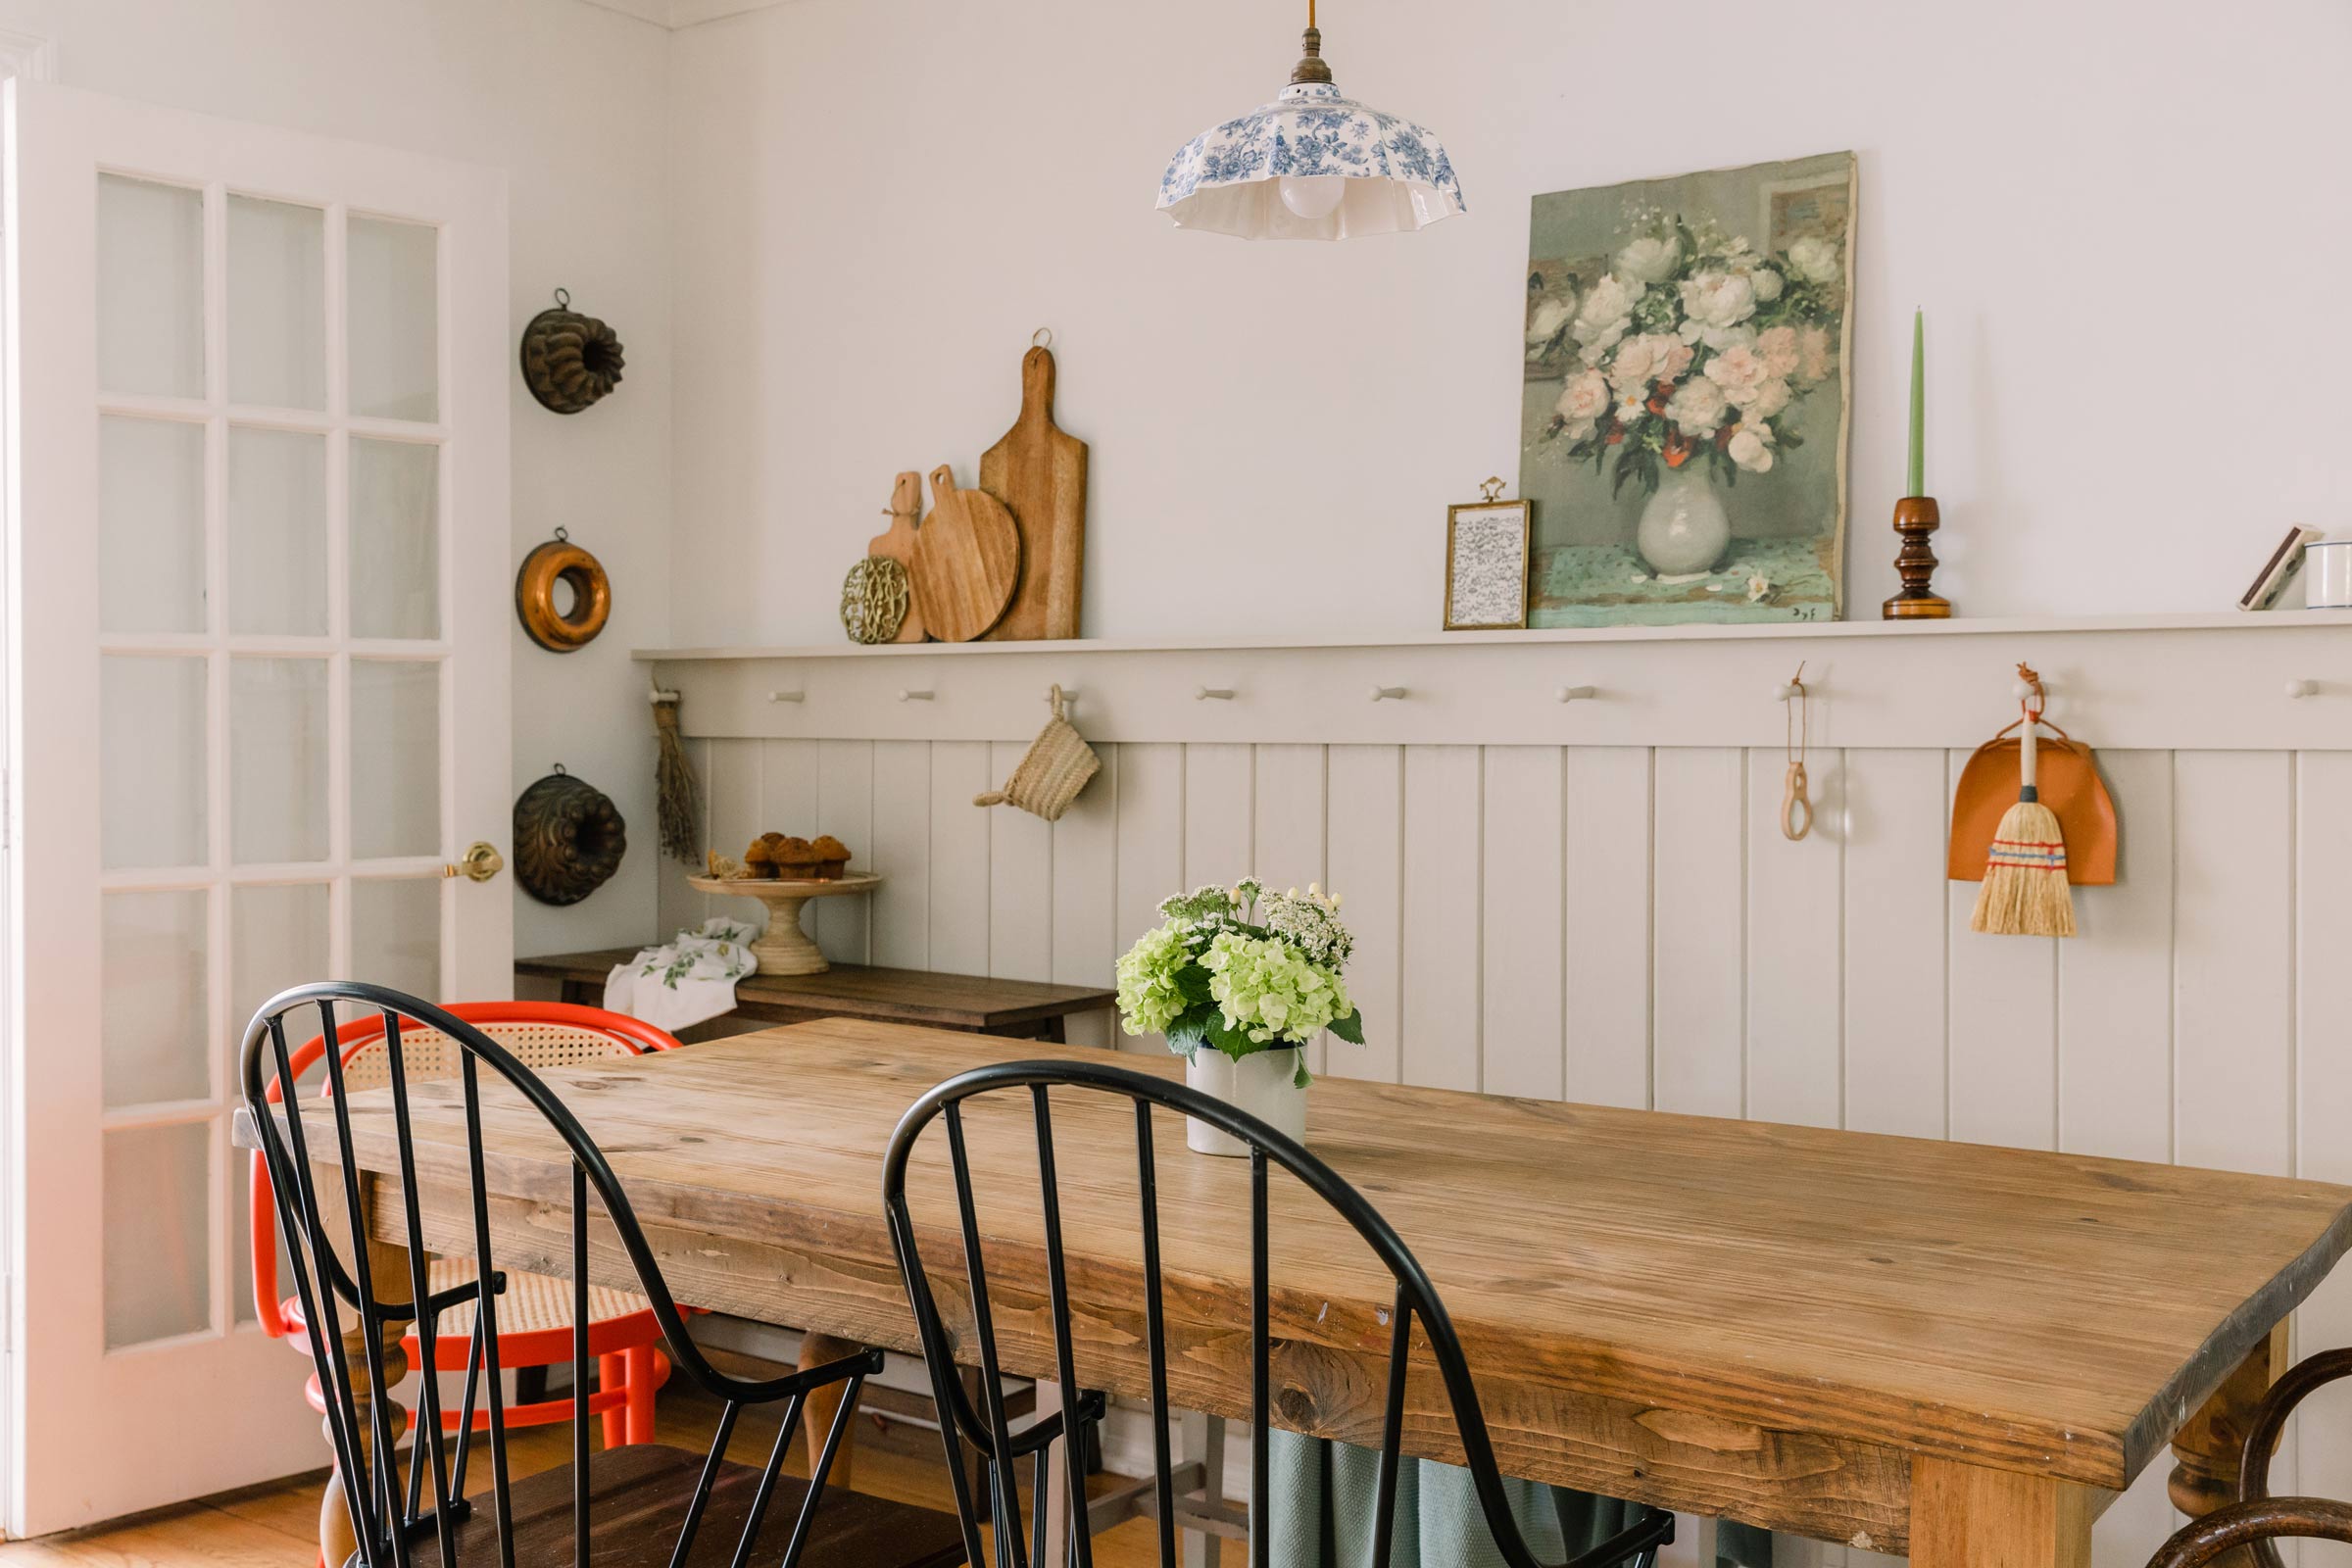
(2070, 786)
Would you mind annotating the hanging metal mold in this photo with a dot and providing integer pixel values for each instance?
(570, 361)
(569, 838)
(560, 561)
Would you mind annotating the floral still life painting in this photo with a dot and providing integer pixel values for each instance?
(1684, 425)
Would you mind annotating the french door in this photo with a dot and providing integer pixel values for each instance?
(257, 702)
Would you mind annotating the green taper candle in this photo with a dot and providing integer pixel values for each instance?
(1919, 404)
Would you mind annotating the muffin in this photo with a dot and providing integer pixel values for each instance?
(832, 858)
(761, 860)
(795, 861)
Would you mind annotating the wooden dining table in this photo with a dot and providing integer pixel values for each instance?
(1956, 1351)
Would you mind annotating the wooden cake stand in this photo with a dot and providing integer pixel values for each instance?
(785, 948)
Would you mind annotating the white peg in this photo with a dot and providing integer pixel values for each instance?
(908, 696)
(2302, 688)
(655, 694)
(787, 697)
(2024, 692)
(1786, 690)
(1069, 694)
(1570, 694)
(1212, 694)
(1386, 693)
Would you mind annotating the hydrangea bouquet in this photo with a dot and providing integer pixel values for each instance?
(1691, 347)
(1243, 970)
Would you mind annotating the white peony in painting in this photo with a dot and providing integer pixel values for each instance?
(1684, 425)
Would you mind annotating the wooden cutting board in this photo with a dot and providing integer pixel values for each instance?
(967, 561)
(906, 505)
(1040, 471)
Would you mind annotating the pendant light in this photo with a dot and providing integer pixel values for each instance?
(1311, 164)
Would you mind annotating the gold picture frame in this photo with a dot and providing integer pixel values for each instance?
(1487, 569)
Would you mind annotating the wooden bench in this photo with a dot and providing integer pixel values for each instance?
(1018, 1009)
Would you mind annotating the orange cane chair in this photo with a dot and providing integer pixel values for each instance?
(534, 1314)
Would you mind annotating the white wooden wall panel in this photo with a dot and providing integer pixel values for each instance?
(1440, 1012)
(2232, 990)
(1604, 855)
(1625, 924)
(1894, 824)
(1522, 902)
(2324, 1095)
(1086, 884)
(1288, 837)
(2115, 980)
(1698, 852)
(1151, 847)
(1796, 1003)
(845, 808)
(901, 849)
(960, 847)
(1020, 879)
(1364, 840)
(675, 905)
(2003, 994)
(1218, 814)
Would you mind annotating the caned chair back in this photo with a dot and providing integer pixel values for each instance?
(397, 1517)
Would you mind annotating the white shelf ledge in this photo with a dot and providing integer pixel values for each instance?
(1788, 631)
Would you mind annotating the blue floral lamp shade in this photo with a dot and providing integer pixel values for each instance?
(1311, 164)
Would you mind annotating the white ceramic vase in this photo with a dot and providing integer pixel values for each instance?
(1263, 1084)
(1684, 526)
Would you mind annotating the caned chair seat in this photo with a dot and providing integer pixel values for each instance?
(531, 1304)
(641, 1495)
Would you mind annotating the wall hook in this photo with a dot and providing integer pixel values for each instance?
(1212, 694)
(2302, 688)
(1570, 694)
(654, 692)
(1060, 693)
(1384, 694)
(1794, 686)
(907, 695)
(788, 697)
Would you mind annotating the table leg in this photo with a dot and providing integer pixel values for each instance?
(2207, 1448)
(388, 1265)
(817, 1418)
(1966, 1516)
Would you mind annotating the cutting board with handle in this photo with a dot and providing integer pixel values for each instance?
(1039, 471)
(967, 561)
(906, 505)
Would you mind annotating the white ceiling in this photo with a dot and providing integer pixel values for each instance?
(682, 13)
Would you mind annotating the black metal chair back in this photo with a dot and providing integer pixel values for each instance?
(395, 1518)
(986, 1430)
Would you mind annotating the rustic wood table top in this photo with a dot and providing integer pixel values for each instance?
(978, 1003)
(1816, 1331)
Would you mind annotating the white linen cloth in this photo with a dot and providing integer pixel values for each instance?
(689, 979)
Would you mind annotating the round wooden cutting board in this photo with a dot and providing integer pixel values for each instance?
(967, 561)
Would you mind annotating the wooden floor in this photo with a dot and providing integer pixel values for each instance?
(276, 1526)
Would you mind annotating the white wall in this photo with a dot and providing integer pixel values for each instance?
(2117, 215)
(567, 98)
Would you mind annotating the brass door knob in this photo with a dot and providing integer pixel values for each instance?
(481, 864)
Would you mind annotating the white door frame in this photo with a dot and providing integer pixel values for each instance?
(95, 1433)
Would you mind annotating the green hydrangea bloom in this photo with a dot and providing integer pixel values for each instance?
(1150, 996)
(1266, 989)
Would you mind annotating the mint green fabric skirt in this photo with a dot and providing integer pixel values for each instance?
(1322, 1519)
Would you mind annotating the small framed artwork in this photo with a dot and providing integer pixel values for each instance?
(1486, 563)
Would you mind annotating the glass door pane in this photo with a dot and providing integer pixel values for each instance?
(153, 1025)
(395, 539)
(276, 533)
(394, 319)
(152, 762)
(277, 304)
(151, 524)
(150, 288)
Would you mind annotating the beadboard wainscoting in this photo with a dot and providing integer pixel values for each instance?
(1623, 922)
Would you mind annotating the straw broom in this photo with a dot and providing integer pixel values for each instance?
(2025, 892)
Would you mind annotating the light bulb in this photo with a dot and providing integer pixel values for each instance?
(1313, 196)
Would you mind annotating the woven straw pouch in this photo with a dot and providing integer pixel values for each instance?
(1051, 773)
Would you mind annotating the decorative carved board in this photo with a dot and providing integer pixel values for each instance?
(967, 561)
(898, 543)
(1040, 471)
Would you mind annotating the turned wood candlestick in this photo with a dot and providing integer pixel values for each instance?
(1916, 517)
